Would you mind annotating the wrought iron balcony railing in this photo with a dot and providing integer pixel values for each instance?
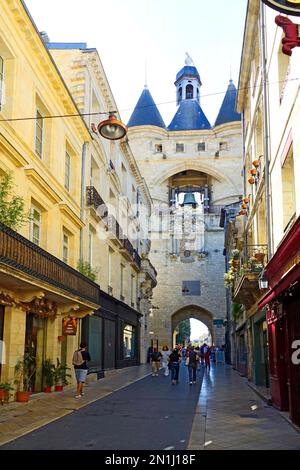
(137, 259)
(93, 198)
(20, 253)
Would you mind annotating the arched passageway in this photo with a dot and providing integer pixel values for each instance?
(192, 311)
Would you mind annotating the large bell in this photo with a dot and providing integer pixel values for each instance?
(189, 199)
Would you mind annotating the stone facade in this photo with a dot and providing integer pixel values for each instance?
(218, 166)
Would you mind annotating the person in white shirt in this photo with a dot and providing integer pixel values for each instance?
(165, 360)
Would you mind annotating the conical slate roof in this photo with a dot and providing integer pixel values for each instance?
(145, 112)
(189, 116)
(227, 111)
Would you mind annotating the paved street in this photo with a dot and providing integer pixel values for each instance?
(149, 413)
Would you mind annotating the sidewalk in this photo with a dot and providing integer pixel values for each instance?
(17, 419)
(231, 416)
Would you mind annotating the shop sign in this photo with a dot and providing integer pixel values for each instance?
(296, 354)
(70, 325)
(289, 7)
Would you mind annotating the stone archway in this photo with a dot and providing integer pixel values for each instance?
(193, 311)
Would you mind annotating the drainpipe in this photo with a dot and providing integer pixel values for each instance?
(266, 130)
(83, 165)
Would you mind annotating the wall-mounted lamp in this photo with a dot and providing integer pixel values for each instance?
(263, 282)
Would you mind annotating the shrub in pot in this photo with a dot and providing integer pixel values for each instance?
(48, 375)
(5, 388)
(60, 376)
(25, 369)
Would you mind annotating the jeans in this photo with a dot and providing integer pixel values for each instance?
(174, 370)
(192, 373)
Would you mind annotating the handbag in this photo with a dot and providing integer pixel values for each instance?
(187, 361)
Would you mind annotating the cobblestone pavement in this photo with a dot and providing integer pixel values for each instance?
(231, 416)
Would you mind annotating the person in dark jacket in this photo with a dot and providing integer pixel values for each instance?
(82, 369)
(174, 360)
(193, 360)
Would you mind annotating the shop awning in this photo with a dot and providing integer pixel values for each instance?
(290, 277)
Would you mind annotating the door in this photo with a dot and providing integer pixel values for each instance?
(95, 343)
(293, 323)
(2, 350)
(35, 335)
(109, 344)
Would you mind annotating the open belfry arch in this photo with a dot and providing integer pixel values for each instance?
(192, 170)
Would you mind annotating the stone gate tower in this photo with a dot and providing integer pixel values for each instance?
(192, 170)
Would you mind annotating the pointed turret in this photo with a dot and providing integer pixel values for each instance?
(145, 112)
(227, 111)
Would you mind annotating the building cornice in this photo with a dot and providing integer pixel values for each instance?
(251, 22)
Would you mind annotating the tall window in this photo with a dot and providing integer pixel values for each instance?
(1, 79)
(132, 290)
(189, 92)
(39, 134)
(110, 254)
(65, 248)
(179, 147)
(91, 247)
(67, 171)
(35, 225)
(129, 341)
(288, 189)
(122, 282)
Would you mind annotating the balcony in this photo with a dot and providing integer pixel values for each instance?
(137, 262)
(115, 231)
(22, 255)
(149, 269)
(127, 249)
(248, 269)
(94, 199)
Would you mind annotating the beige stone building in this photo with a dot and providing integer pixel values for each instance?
(39, 286)
(116, 207)
(192, 170)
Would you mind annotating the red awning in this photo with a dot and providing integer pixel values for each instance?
(291, 276)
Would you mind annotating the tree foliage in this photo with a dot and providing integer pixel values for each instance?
(86, 269)
(183, 331)
(12, 207)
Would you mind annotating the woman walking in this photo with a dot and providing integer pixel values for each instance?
(174, 359)
(193, 360)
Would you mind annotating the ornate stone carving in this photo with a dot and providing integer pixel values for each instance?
(42, 308)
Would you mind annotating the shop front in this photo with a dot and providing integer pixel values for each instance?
(112, 334)
(282, 305)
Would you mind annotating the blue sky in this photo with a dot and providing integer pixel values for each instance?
(129, 33)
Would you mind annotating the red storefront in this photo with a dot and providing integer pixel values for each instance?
(282, 303)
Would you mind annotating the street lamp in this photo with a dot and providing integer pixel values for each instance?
(111, 128)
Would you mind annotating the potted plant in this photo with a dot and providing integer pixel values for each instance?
(60, 376)
(48, 375)
(5, 388)
(25, 369)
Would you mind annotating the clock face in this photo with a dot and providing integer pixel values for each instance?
(289, 7)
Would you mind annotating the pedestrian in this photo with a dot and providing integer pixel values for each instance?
(155, 362)
(197, 351)
(174, 360)
(193, 360)
(80, 359)
(207, 357)
(165, 359)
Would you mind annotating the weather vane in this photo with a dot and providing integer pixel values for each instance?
(188, 60)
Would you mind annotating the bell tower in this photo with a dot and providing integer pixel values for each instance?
(188, 82)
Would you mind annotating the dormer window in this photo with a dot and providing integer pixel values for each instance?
(189, 92)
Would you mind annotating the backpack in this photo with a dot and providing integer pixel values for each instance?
(77, 358)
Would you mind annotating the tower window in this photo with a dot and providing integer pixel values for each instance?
(189, 92)
(179, 148)
(201, 146)
(223, 146)
(179, 94)
(158, 148)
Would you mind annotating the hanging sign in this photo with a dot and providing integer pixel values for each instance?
(289, 7)
(70, 325)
